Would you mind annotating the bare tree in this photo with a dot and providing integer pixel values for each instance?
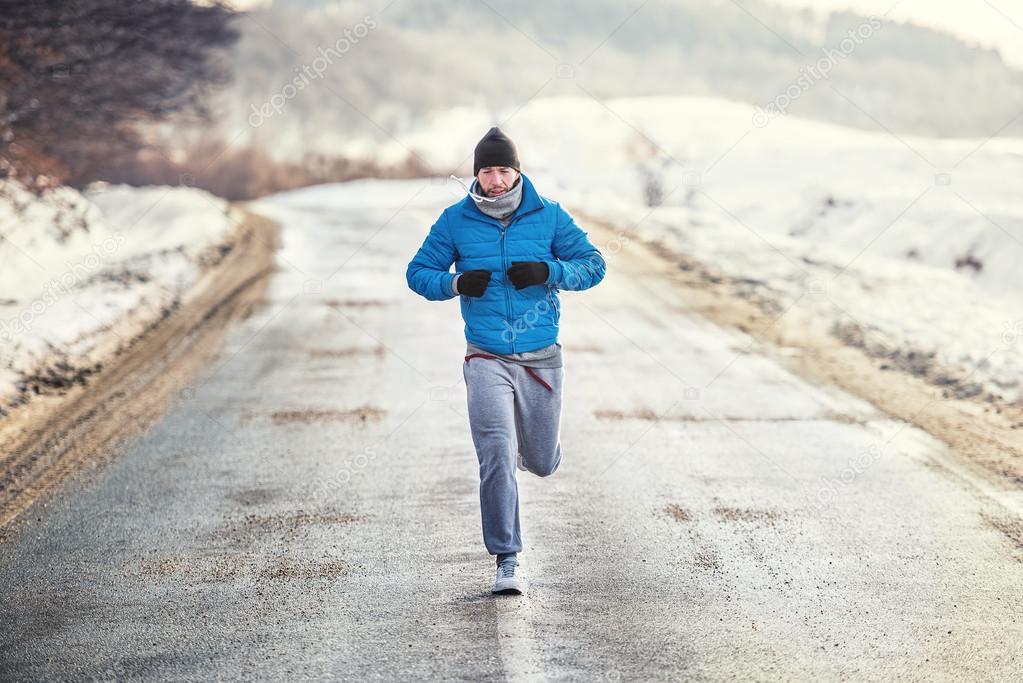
(76, 77)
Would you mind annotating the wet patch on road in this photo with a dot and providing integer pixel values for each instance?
(251, 497)
(360, 415)
(207, 568)
(707, 559)
(704, 557)
(260, 546)
(357, 303)
(747, 515)
(284, 569)
(726, 514)
(678, 513)
(613, 414)
(285, 525)
(350, 352)
(650, 415)
(310, 415)
(231, 566)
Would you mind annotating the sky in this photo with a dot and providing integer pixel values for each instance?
(992, 23)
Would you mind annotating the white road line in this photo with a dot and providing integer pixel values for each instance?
(515, 639)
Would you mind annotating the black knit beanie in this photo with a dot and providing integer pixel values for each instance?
(495, 149)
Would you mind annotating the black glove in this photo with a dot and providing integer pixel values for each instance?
(526, 273)
(473, 282)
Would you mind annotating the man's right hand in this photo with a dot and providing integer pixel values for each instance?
(473, 282)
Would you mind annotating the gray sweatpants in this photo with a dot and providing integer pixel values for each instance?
(510, 412)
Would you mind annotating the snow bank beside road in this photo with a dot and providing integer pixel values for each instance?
(82, 275)
(926, 321)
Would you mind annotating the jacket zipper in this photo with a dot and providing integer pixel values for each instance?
(504, 266)
(507, 296)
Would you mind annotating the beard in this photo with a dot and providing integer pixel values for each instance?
(497, 190)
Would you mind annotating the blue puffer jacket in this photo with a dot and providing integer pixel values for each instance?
(505, 320)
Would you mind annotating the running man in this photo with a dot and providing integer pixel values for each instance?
(513, 251)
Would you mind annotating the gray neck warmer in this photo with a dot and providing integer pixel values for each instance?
(506, 204)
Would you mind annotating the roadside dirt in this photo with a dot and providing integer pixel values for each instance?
(58, 433)
(986, 432)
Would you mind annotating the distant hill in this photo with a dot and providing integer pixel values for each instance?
(419, 57)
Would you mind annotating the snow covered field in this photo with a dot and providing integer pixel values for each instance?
(909, 247)
(81, 275)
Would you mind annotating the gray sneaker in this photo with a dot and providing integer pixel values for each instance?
(509, 581)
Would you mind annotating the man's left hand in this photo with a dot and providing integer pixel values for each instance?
(526, 273)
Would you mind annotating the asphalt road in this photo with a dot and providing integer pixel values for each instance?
(308, 507)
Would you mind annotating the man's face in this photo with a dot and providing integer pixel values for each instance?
(496, 180)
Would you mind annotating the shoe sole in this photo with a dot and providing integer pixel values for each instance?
(513, 589)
